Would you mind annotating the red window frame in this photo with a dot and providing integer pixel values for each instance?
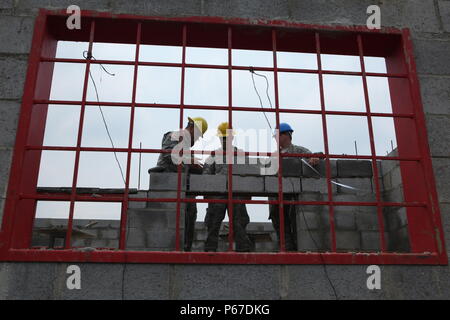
(425, 231)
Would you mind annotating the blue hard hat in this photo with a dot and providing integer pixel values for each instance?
(284, 127)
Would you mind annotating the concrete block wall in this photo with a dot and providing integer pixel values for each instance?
(151, 226)
(430, 25)
(147, 231)
(352, 223)
(395, 218)
(105, 233)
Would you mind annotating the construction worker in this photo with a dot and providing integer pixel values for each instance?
(187, 137)
(215, 213)
(290, 225)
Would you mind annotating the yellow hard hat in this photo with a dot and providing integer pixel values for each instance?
(222, 129)
(200, 123)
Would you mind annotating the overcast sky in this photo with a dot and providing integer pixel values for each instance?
(203, 87)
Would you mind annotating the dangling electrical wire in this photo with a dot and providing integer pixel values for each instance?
(87, 56)
(259, 97)
(314, 241)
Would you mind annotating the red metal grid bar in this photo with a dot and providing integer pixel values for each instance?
(180, 166)
(97, 198)
(225, 67)
(211, 152)
(229, 145)
(280, 163)
(325, 137)
(234, 108)
(372, 146)
(80, 133)
(220, 257)
(124, 213)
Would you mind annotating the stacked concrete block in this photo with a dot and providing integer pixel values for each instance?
(367, 219)
(248, 183)
(357, 186)
(261, 234)
(95, 233)
(311, 218)
(397, 227)
(208, 183)
(153, 229)
(395, 218)
(320, 170)
(312, 224)
(391, 181)
(316, 185)
(314, 217)
(292, 167)
(347, 240)
(313, 241)
(345, 216)
(371, 241)
(247, 169)
(137, 204)
(289, 185)
(354, 168)
(166, 181)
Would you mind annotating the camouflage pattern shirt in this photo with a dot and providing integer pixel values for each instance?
(295, 149)
(169, 141)
(217, 164)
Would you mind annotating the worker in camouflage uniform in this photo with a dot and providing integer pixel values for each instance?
(183, 140)
(215, 213)
(290, 221)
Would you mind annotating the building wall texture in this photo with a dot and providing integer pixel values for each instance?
(429, 22)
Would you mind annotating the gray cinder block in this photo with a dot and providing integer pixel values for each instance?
(313, 240)
(153, 229)
(246, 169)
(208, 183)
(362, 186)
(18, 37)
(292, 167)
(399, 240)
(5, 163)
(344, 218)
(316, 185)
(393, 195)
(321, 168)
(367, 221)
(354, 168)
(290, 185)
(109, 234)
(166, 181)
(9, 115)
(370, 240)
(348, 240)
(426, 48)
(436, 91)
(136, 238)
(310, 218)
(13, 72)
(248, 184)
